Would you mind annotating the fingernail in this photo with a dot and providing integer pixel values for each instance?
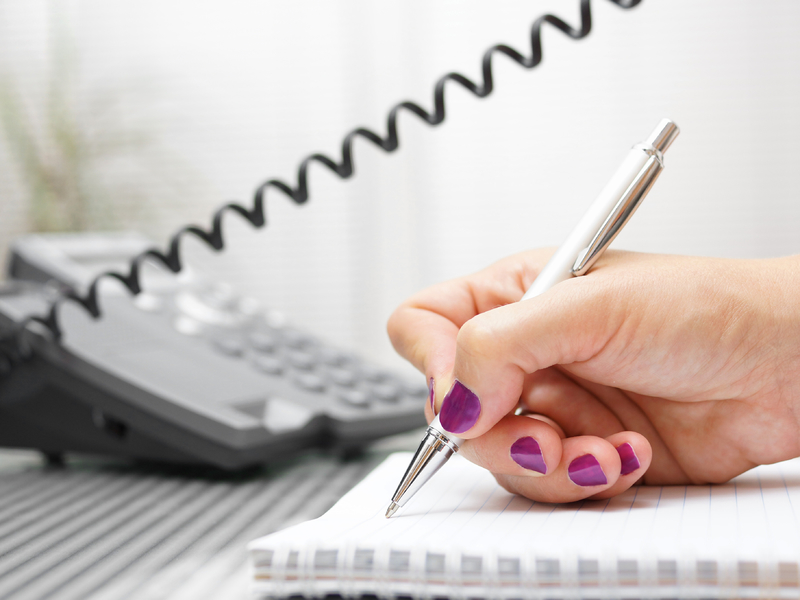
(460, 408)
(432, 396)
(527, 454)
(630, 462)
(586, 471)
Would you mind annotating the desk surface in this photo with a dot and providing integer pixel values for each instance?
(104, 529)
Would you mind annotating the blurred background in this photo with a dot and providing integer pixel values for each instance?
(146, 116)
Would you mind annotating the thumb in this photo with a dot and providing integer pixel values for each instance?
(496, 349)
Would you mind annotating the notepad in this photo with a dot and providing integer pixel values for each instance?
(463, 536)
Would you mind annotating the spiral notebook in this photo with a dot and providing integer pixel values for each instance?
(463, 536)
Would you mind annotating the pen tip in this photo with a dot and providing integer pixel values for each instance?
(392, 509)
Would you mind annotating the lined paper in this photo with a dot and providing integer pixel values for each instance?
(464, 533)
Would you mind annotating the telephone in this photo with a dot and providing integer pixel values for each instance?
(186, 370)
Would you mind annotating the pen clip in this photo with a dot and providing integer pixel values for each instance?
(622, 211)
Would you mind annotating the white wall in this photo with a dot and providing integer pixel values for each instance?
(240, 91)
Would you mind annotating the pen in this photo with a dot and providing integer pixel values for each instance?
(605, 218)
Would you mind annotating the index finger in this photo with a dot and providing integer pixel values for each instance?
(424, 328)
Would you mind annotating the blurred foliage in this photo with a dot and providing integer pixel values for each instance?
(85, 156)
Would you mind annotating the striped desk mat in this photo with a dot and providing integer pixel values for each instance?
(101, 530)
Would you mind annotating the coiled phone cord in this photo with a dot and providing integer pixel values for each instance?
(13, 347)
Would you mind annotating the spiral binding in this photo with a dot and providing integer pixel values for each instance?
(13, 348)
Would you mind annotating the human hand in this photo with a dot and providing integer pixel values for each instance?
(665, 369)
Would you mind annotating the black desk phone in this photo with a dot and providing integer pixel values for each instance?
(186, 370)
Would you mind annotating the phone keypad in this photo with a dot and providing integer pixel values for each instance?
(315, 367)
(293, 355)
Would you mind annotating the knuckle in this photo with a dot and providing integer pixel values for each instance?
(477, 338)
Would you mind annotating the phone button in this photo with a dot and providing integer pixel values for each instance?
(333, 357)
(310, 382)
(371, 373)
(187, 325)
(148, 302)
(230, 346)
(263, 342)
(388, 392)
(283, 415)
(296, 339)
(354, 398)
(301, 360)
(269, 365)
(343, 377)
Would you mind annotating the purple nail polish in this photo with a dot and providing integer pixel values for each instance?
(432, 396)
(527, 454)
(630, 462)
(460, 409)
(586, 471)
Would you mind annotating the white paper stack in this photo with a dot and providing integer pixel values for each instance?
(463, 536)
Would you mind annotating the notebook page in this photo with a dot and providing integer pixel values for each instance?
(462, 529)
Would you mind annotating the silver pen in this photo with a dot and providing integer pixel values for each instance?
(605, 218)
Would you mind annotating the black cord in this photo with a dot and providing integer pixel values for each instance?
(12, 347)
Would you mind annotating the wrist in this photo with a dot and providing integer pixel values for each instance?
(779, 303)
